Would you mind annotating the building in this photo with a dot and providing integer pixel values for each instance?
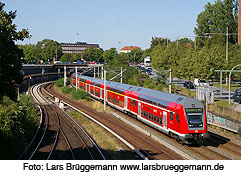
(128, 49)
(76, 48)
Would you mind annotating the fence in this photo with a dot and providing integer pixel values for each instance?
(224, 123)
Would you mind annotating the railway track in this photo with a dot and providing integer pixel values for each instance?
(143, 144)
(61, 138)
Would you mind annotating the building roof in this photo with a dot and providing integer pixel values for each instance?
(130, 48)
(82, 44)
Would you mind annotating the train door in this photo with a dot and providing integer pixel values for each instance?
(86, 89)
(101, 90)
(165, 119)
(125, 102)
(139, 108)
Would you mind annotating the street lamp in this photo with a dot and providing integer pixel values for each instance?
(230, 81)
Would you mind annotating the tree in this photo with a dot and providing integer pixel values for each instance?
(46, 49)
(29, 52)
(11, 57)
(136, 55)
(216, 18)
(159, 41)
(93, 54)
(110, 55)
(66, 58)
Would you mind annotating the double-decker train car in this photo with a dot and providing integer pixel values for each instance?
(178, 116)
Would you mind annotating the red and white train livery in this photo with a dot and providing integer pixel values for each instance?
(178, 116)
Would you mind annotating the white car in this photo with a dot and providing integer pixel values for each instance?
(200, 82)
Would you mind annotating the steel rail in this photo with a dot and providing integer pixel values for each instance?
(59, 130)
(83, 131)
(46, 127)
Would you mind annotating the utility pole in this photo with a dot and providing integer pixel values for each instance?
(102, 72)
(64, 75)
(56, 53)
(104, 90)
(227, 55)
(76, 77)
(170, 84)
(94, 72)
(121, 76)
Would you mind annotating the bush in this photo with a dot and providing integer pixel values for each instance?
(66, 90)
(60, 82)
(18, 122)
(79, 94)
(68, 81)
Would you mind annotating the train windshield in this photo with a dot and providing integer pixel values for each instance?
(195, 117)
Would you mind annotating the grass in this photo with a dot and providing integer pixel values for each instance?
(233, 86)
(223, 109)
(105, 140)
(223, 103)
(185, 91)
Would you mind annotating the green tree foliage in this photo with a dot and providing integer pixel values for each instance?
(66, 58)
(110, 55)
(136, 56)
(93, 54)
(159, 41)
(18, 122)
(46, 50)
(216, 18)
(10, 55)
(29, 52)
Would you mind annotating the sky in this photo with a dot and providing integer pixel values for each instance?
(109, 23)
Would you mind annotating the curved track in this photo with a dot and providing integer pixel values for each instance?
(58, 137)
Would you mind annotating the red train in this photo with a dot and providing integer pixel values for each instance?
(178, 116)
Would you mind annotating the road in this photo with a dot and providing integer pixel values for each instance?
(224, 96)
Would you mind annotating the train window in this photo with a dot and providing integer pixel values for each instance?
(145, 98)
(151, 116)
(154, 118)
(133, 103)
(171, 116)
(166, 104)
(157, 120)
(157, 101)
(163, 103)
(160, 120)
(178, 120)
(160, 103)
(154, 101)
(149, 99)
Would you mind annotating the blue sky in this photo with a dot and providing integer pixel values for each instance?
(106, 22)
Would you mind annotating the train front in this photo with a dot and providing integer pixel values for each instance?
(196, 121)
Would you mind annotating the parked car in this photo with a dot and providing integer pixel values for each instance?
(148, 71)
(237, 97)
(238, 90)
(200, 82)
(187, 84)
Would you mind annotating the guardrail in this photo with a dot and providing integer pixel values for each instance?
(224, 123)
